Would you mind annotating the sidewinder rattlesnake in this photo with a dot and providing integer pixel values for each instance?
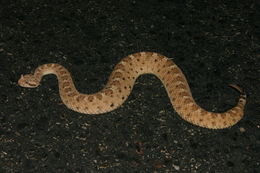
(120, 85)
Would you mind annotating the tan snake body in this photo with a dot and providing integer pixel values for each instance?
(120, 85)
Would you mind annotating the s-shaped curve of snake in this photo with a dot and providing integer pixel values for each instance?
(120, 85)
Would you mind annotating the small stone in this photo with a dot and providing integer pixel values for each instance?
(242, 129)
(176, 167)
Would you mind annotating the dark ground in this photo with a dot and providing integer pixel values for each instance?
(213, 43)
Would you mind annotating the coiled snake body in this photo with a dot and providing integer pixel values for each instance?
(120, 84)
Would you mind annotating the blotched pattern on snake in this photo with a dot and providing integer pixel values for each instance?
(120, 85)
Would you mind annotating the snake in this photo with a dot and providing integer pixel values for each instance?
(121, 82)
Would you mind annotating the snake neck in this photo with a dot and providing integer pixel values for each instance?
(65, 81)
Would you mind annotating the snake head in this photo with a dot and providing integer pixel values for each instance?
(28, 81)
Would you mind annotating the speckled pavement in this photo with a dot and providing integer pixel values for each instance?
(214, 44)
